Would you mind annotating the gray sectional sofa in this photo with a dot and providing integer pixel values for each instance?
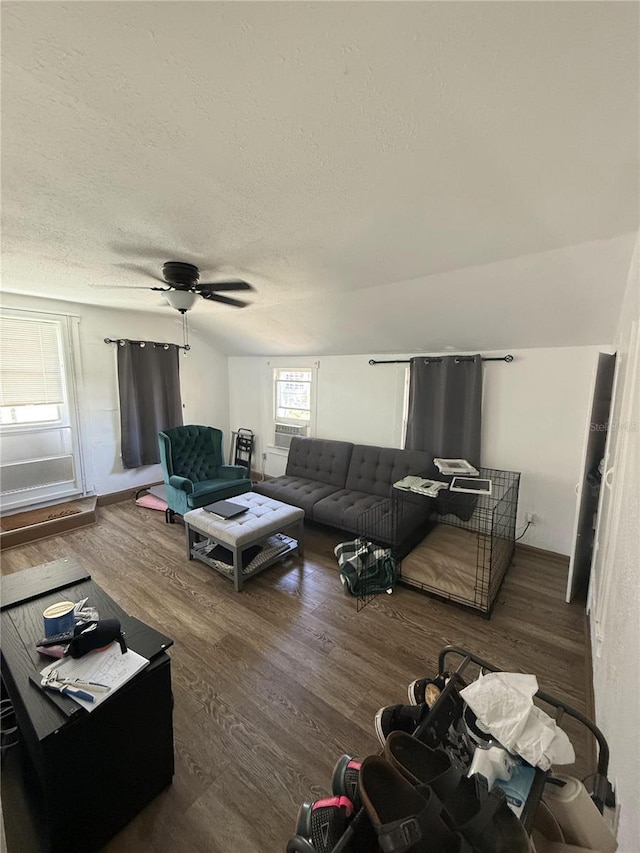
(336, 482)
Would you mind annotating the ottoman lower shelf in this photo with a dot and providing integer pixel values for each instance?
(270, 554)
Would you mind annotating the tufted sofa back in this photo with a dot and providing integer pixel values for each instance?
(374, 470)
(319, 459)
(193, 451)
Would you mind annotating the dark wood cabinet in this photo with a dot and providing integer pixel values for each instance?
(87, 774)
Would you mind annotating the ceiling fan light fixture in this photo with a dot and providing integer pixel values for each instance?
(181, 300)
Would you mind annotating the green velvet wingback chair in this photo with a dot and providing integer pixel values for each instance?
(194, 473)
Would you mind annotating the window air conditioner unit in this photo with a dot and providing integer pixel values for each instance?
(285, 432)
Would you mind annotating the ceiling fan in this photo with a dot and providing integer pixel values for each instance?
(183, 286)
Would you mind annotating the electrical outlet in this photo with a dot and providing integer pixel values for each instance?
(530, 518)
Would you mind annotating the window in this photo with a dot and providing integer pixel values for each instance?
(36, 414)
(293, 396)
(39, 460)
(293, 403)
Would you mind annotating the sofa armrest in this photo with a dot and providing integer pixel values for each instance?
(232, 472)
(181, 483)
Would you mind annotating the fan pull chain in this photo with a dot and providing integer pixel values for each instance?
(185, 332)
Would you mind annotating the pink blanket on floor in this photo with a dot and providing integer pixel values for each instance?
(151, 502)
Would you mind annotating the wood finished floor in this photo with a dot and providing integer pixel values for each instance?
(273, 684)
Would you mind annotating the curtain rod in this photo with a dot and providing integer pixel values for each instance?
(123, 341)
(507, 358)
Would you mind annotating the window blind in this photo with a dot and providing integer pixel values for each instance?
(293, 394)
(30, 363)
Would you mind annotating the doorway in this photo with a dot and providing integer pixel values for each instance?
(591, 479)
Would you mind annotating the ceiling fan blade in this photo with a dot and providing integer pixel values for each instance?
(126, 287)
(226, 300)
(236, 284)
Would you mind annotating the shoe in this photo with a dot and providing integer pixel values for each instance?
(421, 765)
(482, 817)
(323, 822)
(404, 718)
(425, 690)
(479, 736)
(406, 819)
(344, 781)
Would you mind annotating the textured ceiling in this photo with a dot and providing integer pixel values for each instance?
(391, 176)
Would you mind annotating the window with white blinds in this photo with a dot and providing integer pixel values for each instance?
(294, 403)
(293, 395)
(39, 451)
(31, 363)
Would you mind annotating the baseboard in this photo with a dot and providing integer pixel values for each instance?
(32, 525)
(124, 495)
(540, 552)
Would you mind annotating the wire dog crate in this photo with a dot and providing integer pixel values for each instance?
(398, 523)
(470, 544)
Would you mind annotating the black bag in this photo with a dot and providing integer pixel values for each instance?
(95, 635)
(365, 568)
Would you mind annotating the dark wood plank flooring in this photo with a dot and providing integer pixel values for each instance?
(273, 684)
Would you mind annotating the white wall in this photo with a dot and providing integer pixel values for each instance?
(615, 588)
(535, 411)
(203, 372)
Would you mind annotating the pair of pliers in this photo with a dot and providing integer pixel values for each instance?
(52, 682)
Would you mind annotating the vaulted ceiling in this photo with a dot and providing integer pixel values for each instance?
(391, 176)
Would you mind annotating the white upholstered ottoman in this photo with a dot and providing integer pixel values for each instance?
(265, 518)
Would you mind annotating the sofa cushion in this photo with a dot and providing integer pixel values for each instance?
(379, 519)
(374, 470)
(296, 491)
(319, 459)
(343, 508)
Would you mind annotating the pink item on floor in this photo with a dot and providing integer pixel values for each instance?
(151, 502)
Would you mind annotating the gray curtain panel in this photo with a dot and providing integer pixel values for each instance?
(150, 401)
(445, 407)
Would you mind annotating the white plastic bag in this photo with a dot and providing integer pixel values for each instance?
(503, 703)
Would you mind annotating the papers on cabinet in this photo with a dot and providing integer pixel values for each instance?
(106, 668)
